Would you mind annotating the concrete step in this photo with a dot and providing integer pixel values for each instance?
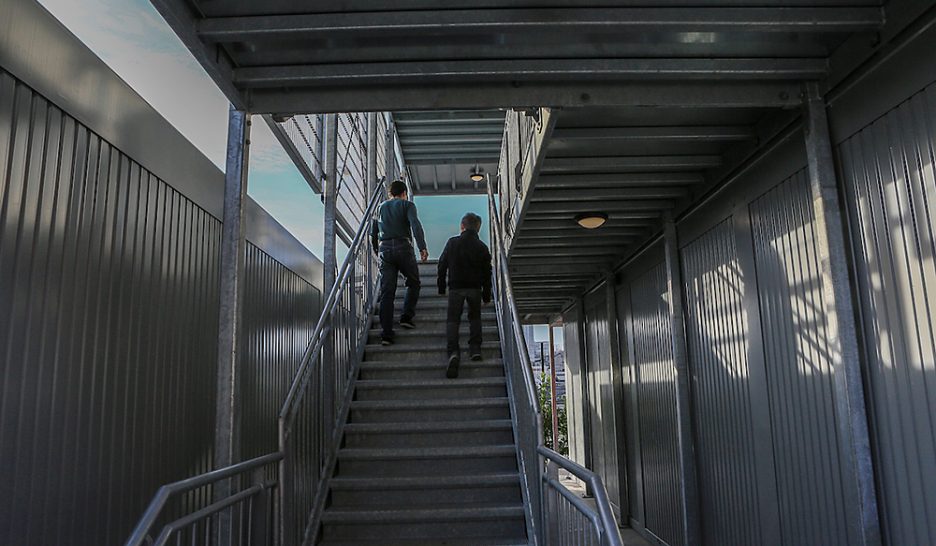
(430, 389)
(429, 542)
(394, 411)
(505, 521)
(446, 491)
(432, 350)
(429, 434)
(426, 462)
(435, 369)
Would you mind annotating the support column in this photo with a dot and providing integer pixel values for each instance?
(552, 387)
(389, 153)
(841, 330)
(689, 488)
(233, 249)
(330, 263)
(371, 185)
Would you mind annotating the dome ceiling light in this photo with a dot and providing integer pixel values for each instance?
(591, 220)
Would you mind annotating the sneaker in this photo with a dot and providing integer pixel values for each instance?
(386, 341)
(452, 371)
(477, 357)
(407, 323)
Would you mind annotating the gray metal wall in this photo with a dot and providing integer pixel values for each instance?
(650, 405)
(575, 394)
(888, 171)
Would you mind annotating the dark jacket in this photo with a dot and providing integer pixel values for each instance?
(397, 219)
(467, 261)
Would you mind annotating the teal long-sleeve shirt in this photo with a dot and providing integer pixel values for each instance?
(397, 219)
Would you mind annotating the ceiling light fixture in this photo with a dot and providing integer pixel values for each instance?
(591, 220)
(477, 175)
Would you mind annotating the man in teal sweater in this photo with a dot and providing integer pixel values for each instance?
(392, 236)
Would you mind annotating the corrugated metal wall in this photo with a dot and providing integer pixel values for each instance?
(603, 416)
(717, 333)
(799, 373)
(888, 171)
(108, 329)
(655, 390)
(575, 400)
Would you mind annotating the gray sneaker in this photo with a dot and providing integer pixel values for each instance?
(452, 371)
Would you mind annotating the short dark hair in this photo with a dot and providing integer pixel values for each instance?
(471, 221)
(397, 188)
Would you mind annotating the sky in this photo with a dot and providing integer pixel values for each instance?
(133, 39)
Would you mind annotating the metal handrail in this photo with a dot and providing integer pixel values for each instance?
(318, 339)
(162, 496)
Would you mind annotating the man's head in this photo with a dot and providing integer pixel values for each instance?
(471, 221)
(398, 190)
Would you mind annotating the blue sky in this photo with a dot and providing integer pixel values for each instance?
(134, 40)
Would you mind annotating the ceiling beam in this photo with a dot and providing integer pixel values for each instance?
(517, 70)
(534, 267)
(564, 181)
(657, 134)
(629, 163)
(577, 251)
(609, 207)
(565, 20)
(517, 94)
(543, 195)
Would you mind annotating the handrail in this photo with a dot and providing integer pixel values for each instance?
(597, 488)
(141, 531)
(315, 344)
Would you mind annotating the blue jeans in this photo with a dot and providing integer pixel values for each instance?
(397, 257)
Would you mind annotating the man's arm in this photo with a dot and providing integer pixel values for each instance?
(417, 228)
(487, 270)
(375, 236)
(443, 269)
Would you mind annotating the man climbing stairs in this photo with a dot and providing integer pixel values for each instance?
(425, 459)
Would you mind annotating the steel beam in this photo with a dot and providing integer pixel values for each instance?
(520, 266)
(637, 205)
(518, 94)
(617, 180)
(688, 484)
(571, 242)
(322, 26)
(544, 195)
(579, 251)
(656, 134)
(464, 72)
(579, 235)
(233, 250)
(840, 327)
(630, 163)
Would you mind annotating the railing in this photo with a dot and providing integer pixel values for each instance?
(319, 395)
(245, 518)
(277, 498)
(555, 515)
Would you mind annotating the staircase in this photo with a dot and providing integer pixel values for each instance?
(426, 459)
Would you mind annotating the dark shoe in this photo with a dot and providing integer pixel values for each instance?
(386, 341)
(452, 371)
(477, 357)
(407, 323)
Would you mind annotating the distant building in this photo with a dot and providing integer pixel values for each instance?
(539, 359)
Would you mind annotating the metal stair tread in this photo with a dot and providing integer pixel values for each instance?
(461, 452)
(422, 515)
(419, 347)
(428, 542)
(429, 383)
(431, 404)
(427, 364)
(428, 426)
(478, 480)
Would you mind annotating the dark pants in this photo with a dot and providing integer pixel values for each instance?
(456, 303)
(397, 256)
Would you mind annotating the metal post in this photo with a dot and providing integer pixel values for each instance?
(371, 185)
(552, 385)
(841, 333)
(689, 488)
(389, 153)
(331, 264)
(233, 248)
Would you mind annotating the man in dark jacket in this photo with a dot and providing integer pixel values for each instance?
(467, 263)
(392, 236)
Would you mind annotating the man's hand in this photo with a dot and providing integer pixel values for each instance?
(423, 255)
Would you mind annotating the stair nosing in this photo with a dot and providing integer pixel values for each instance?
(421, 515)
(494, 479)
(429, 383)
(381, 453)
(488, 401)
(428, 426)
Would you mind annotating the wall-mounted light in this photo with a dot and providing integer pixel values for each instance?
(591, 220)
(477, 175)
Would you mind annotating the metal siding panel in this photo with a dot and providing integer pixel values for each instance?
(656, 391)
(108, 326)
(888, 171)
(575, 405)
(799, 373)
(718, 347)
